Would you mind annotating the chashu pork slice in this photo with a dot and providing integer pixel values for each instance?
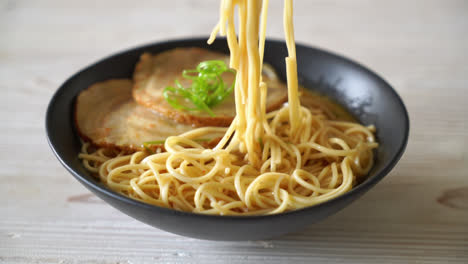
(107, 115)
(154, 73)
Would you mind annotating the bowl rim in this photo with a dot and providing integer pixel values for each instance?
(95, 186)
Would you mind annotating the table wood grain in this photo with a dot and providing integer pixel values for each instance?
(418, 214)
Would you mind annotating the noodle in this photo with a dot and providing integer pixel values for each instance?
(265, 163)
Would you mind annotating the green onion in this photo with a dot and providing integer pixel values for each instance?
(260, 141)
(148, 144)
(207, 90)
(156, 142)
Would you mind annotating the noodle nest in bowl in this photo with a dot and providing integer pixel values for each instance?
(266, 162)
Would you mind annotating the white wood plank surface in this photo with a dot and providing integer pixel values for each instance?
(418, 214)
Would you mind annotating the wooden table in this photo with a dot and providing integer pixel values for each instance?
(418, 214)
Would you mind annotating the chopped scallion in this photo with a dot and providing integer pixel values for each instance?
(208, 88)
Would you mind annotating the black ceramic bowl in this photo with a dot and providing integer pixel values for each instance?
(369, 98)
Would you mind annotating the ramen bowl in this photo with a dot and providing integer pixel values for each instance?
(369, 98)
